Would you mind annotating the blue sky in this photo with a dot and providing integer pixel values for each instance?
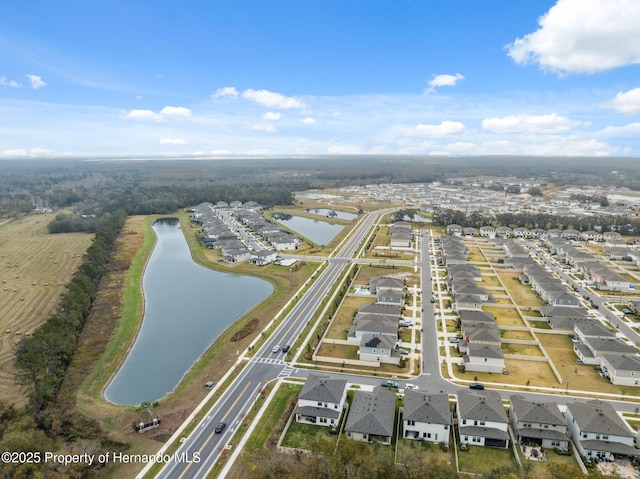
(301, 77)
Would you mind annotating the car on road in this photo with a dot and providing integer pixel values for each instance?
(410, 386)
(454, 340)
(433, 300)
(286, 348)
(388, 383)
(275, 349)
(478, 386)
(220, 427)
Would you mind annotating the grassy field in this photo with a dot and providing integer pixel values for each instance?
(521, 373)
(521, 294)
(505, 316)
(481, 460)
(34, 267)
(580, 376)
(343, 319)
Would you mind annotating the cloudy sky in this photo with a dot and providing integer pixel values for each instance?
(295, 77)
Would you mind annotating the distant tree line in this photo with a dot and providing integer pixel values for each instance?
(42, 358)
(622, 224)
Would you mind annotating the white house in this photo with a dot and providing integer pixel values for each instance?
(426, 416)
(482, 420)
(321, 400)
(538, 423)
(598, 431)
(484, 358)
(621, 369)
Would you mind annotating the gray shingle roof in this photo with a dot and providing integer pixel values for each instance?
(536, 411)
(372, 412)
(623, 362)
(598, 417)
(481, 405)
(422, 406)
(323, 388)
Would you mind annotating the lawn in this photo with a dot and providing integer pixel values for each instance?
(482, 460)
(522, 335)
(409, 449)
(489, 281)
(304, 436)
(343, 319)
(523, 295)
(522, 349)
(338, 351)
(580, 376)
(539, 324)
(540, 470)
(522, 373)
(365, 273)
(505, 316)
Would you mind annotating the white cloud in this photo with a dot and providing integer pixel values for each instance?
(173, 141)
(145, 115)
(225, 92)
(551, 123)
(263, 127)
(272, 99)
(308, 121)
(626, 102)
(583, 36)
(33, 152)
(443, 80)
(150, 115)
(630, 130)
(4, 81)
(15, 152)
(36, 82)
(175, 111)
(270, 115)
(446, 128)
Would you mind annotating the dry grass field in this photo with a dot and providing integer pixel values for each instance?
(34, 267)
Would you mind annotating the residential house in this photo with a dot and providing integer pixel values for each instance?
(378, 348)
(621, 369)
(597, 430)
(484, 358)
(321, 400)
(482, 420)
(426, 416)
(372, 416)
(262, 257)
(538, 423)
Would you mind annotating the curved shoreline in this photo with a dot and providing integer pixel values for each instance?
(140, 321)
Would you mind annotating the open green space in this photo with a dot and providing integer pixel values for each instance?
(482, 460)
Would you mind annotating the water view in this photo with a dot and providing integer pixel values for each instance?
(187, 307)
(328, 213)
(320, 232)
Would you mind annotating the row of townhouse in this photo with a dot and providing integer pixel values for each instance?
(594, 426)
(603, 277)
(480, 341)
(535, 233)
(219, 235)
(551, 289)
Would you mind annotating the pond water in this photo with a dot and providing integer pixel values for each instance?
(315, 196)
(187, 307)
(327, 213)
(320, 232)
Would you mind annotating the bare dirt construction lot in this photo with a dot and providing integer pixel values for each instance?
(34, 268)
